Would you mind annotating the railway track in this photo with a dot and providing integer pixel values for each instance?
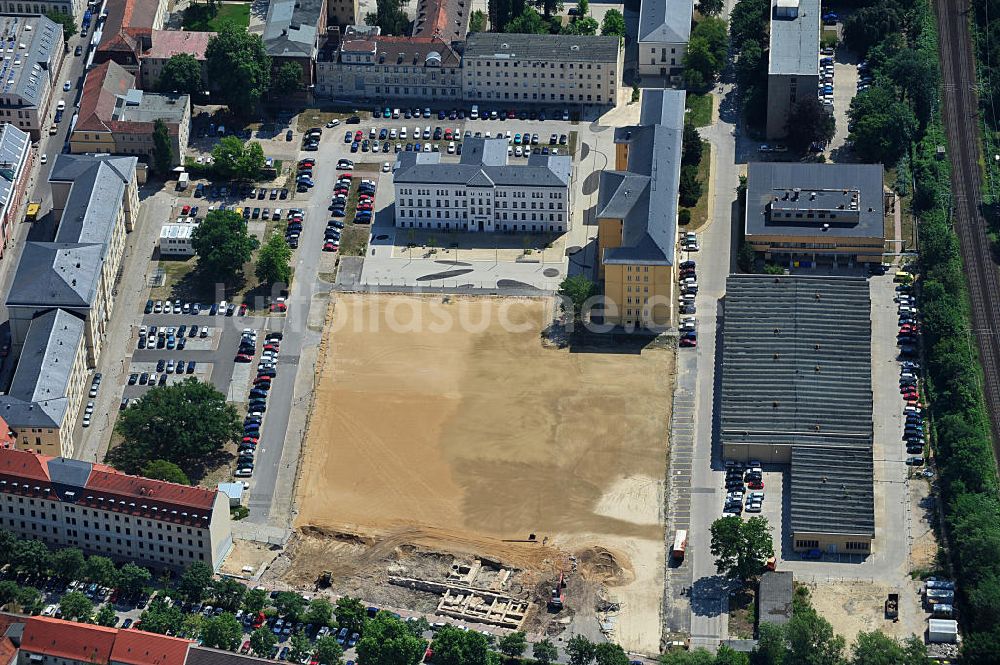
(961, 119)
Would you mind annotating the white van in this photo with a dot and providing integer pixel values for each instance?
(475, 112)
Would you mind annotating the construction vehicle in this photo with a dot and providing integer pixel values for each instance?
(325, 580)
(892, 607)
(556, 598)
(34, 207)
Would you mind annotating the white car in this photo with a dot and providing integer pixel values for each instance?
(244, 472)
(45, 158)
(67, 86)
(385, 167)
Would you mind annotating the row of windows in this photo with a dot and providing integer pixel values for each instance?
(489, 76)
(96, 545)
(532, 64)
(500, 194)
(807, 544)
(419, 214)
(445, 203)
(104, 515)
(539, 96)
(534, 228)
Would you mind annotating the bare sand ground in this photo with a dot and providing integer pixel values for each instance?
(459, 437)
(855, 606)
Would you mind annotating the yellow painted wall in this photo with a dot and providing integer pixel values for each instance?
(829, 543)
(621, 156)
(609, 234)
(650, 290)
(94, 142)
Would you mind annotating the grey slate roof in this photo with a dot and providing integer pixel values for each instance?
(550, 171)
(52, 274)
(796, 362)
(767, 181)
(562, 48)
(37, 396)
(69, 473)
(25, 75)
(831, 490)
(99, 183)
(665, 21)
(290, 27)
(199, 655)
(795, 41)
(645, 197)
(774, 597)
(14, 146)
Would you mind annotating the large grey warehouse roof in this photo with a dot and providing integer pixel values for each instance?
(831, 490)
(24, 74)
(815, 190)
(38, 390)
(665, 21)
(795, 26)
(796, 362)
(565, 48)
(645, 196)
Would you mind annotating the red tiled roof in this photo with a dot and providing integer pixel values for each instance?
(7, 651)
(66, 639)
(136, 647)
(167, 43)
(136, 17)
(97, 103)
(23, 465)
(114, 483)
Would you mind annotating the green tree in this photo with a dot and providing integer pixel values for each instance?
(608, 653)
(66, 21)
(583, 25)
(881, 125)
(582, 7)
(31, 557)
(452, 646)
(272, 261)
(67, 564)
(350, 613)
(876, 648)
(690, 186)
(691, 145)
(513, 645)
(223, 244)
(916, 72)
(729, 656)
(255, 600)
(27, 598)
(195, 583)
(867, 26)
(222, 632)
(101, 571)
(132, 579)
(320, 612)
(290, 604)
(748, 22)
(706, 52)
(188, 423)
(328, 651)
(811, 640)
(477, 21)
(544, 652)
(751, 66)
(234, 159)
(809, 123)
(699, 656)
(528, 22)
(771, 646)
(181, 74)
(75, 606)
(161, 469)
(613, 24)
(7, 545)
(287, 79)
(262, 641)
(576, 291)
(160, 618)
(389, 16)
(228, 593)
(299, 647)
(239, 67)
(106, 616)
(710, 7)
(741, 548)
(387, 641)
(419, 626)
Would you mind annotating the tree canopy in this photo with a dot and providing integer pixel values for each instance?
(706, 53)
(286, 79)
(741, 548)
(576, 290)
(881, 125)
(452, 646)
(350, 613)
(132, 579)
(272, 261)
(182, 74)
(222, 632)
(187, 423)
(529, 22)
(158, 617)
(239, 67)
(477, 21)
(75, 606)
(613, 23)
(161, 469)
(387, 641)
(710, 7)
(195, 583)
(513, 644)
(223, 245)
(262, 641)
(809, 123)
(67, 22)
(232, 159)
(390, 17)
(328, 650)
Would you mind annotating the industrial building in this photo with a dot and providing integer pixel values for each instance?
(793, 60)
(796, 389)
(637, 214)
(801, 215)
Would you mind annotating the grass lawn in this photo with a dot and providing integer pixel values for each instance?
(699, 109)
(699, 213)
(198, 18)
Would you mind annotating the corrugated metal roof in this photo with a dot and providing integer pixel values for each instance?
(832, 491)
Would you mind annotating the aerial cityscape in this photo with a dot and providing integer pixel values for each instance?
(492, 332)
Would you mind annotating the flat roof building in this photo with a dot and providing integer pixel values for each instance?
(637, 213)
(664, 30)
(793, 64)
(774, 597)
(816, 213)
(796, 388)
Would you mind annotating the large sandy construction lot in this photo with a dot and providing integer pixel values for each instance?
(459, 429)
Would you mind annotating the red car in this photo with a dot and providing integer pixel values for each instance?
(251, 440)
(185, 210)
(243, 309)
(688, 341)
(246, 647)
(345, 176)
(756, 484)
(279, 307)
(358, 136)
(365, 206)
(243, 358)
(330, 247)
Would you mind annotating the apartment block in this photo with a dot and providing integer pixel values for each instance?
(293, 30)
(164, 44)
(74, 8)
(389, 69)
(127, 31)
(70, 503)
(49, 641)
(793, 64)
(542, 69)
(29, 71)
(482, 192)
(664, 30)
(637, 215)
(116, 117)
(15, 171)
